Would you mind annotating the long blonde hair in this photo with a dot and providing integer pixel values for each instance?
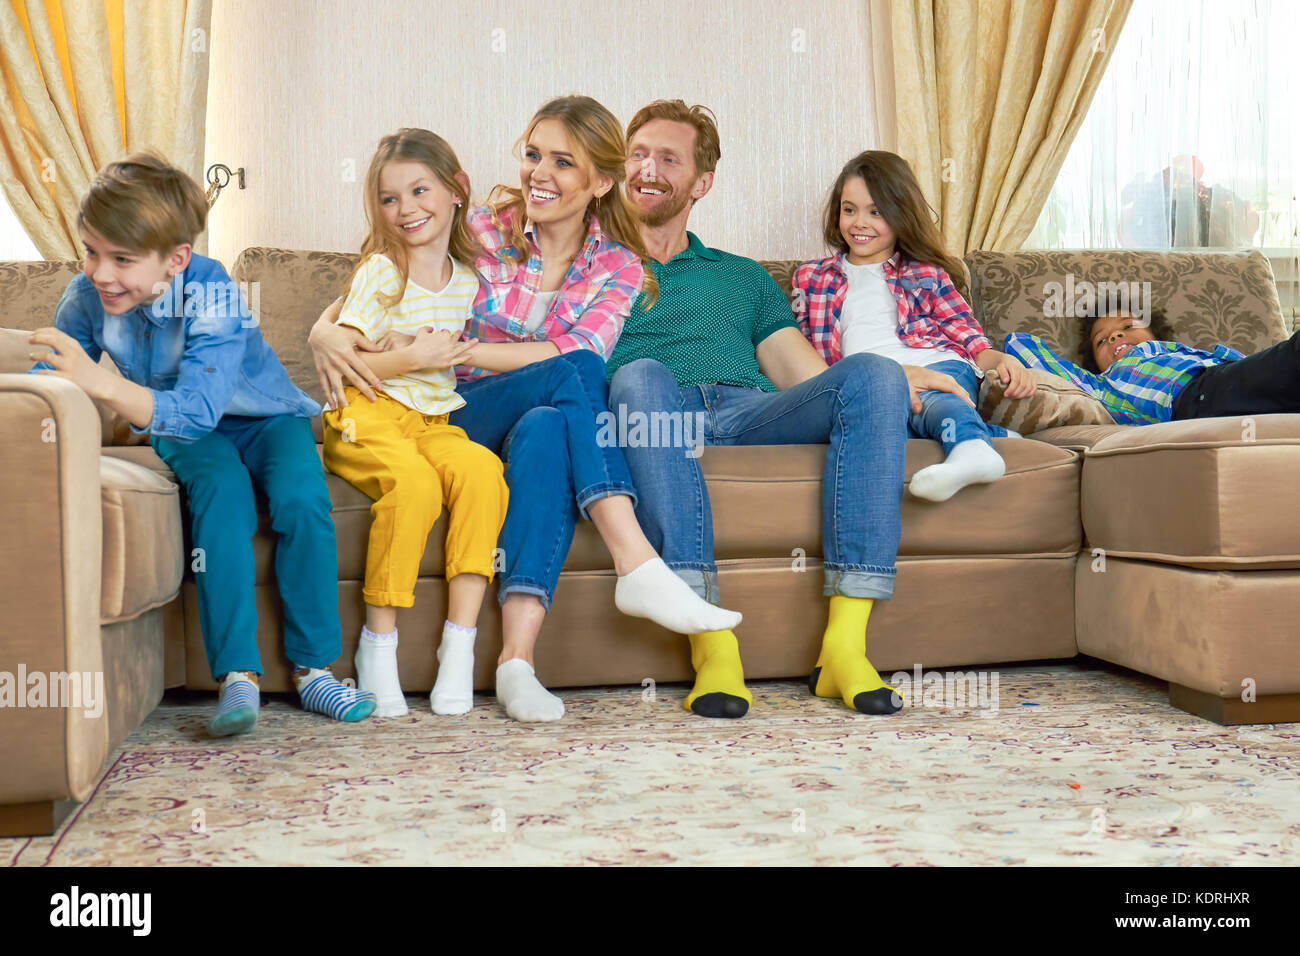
(600, 148)
(431, 151)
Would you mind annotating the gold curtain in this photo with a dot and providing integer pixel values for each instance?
(84, 82)
(987, 97)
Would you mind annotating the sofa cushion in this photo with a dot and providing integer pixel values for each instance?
(1207, 493)
(142, 557)
(1032, 510)
(1054, 403)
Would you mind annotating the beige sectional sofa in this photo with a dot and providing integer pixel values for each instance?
(1165, 548)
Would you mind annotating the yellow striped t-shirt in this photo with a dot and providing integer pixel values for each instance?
(430, 391)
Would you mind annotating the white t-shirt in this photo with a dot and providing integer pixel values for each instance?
(869, 319)
(537, 314)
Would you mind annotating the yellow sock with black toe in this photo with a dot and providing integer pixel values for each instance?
(842, 667)
(719, 689)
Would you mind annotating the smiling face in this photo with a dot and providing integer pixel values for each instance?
(868, 236)
(661, 176)
(555, 188)
(1113, 335)
(126, 278)
(416, 202)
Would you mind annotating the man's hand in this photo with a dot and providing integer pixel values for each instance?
(334, 349)
(921, 379)
(71, 362)
(1017, 381)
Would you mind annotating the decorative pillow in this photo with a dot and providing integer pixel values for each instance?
(113, 429)
(1054, 402)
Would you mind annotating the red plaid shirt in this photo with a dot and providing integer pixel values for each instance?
(931, 312)
(590, 310)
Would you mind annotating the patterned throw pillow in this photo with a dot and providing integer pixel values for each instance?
(1054, 402)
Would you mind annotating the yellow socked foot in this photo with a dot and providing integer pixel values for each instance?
(719, 689)
(842, 667)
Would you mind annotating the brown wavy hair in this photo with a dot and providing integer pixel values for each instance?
(599, 148)
(900, 202)
(431, 151)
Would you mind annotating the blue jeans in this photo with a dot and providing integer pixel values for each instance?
(541, 421)
(219, 472)
(858, 405)
(946, 418)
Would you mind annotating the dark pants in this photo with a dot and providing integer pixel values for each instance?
(1264, 383)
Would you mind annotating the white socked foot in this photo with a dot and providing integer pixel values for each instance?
(523, 696)
(969, 463)
(653, 591)
(453, 691)
(376, 662)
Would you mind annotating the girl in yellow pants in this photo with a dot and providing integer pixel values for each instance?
(412, 294)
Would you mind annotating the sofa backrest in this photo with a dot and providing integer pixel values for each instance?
(1207, 297)
(30, 292)
(293, 288)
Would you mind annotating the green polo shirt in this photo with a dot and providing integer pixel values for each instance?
(713, 310)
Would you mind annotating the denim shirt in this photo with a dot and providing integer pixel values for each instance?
(197, 348)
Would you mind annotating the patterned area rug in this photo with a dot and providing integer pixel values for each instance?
(1077, 765)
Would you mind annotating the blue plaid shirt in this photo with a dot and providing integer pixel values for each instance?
(1140, 388)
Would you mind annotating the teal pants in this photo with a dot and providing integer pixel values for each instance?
(223, 474)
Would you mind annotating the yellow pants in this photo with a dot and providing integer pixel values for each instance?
(410, 465)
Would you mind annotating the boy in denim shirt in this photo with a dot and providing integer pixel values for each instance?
(220, 410)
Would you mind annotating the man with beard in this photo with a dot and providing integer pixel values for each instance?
(722, 346)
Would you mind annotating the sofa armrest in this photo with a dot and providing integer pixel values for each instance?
(53, 738)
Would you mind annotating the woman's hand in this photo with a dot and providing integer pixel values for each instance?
(921, 379)
(439, 349)
(334, 349)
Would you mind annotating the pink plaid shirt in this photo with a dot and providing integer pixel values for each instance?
(588, 313)
(931, 312)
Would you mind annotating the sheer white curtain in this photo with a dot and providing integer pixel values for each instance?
(1193, 140)
(14, 241)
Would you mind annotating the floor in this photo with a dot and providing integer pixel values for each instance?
(1078, 765)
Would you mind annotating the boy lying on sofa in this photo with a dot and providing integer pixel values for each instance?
(1142, 375)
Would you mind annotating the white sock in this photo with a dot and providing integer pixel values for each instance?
(523, 697)
(653, 591)
(970, 462)
(453, 691)
(376, 662)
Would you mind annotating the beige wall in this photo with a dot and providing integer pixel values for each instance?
(301, 90)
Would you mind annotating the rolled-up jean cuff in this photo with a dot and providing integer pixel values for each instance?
(595, 492)
(704, 583)
(517, 587)
(859, 584)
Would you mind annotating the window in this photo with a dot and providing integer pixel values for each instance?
(1192, 140)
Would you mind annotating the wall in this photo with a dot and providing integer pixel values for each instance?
(300, 93)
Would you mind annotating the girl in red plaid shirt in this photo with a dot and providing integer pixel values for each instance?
(889, 290)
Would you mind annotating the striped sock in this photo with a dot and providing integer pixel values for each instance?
(237, 705)
(323, 693)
